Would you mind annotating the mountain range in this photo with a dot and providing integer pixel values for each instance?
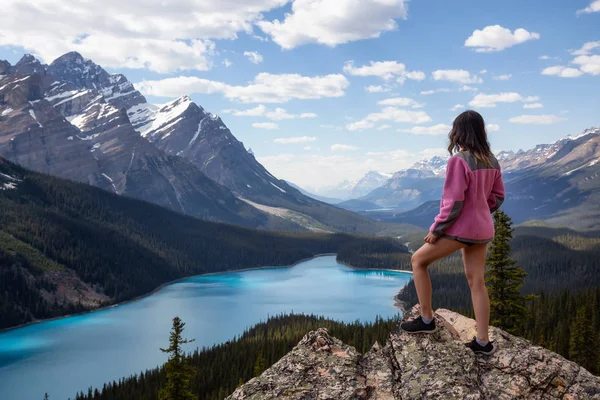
(74, 120)
(558, 183)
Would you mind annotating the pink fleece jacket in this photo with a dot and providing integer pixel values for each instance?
(472, 191)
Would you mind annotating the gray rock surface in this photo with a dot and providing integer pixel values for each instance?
(421, 366)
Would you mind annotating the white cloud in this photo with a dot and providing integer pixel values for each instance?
(544, 57)
(377, 89)
(258, 111)
(536, 119)
(265, 125)
(385, 70)
(307, 148)
(457, 107)
(533, 105)
(497, 38)
(331, 126)
(483, 71)
(117, 33)
(265, 88)
(227, 63)
(383, 127)
(492, 127)
(439, 129)
(504, 77)
(390, 114)
(456, 75)
(586, 49)
(277, 114)
(563, 72)
(433, 91)
(254, 57)
(588, 64)
(593, 7)
(467, 88)
(400, 102)
(295, 140)
(343, 147)
(490, 100)
(333, 22)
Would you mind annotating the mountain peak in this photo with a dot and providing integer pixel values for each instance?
(27, 59)
(70, 57)
(417, 367)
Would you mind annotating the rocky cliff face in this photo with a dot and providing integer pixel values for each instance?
(421, 366)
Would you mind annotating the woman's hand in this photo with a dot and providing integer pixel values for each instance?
(430, 238)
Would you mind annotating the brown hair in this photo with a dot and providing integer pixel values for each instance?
(468, 133)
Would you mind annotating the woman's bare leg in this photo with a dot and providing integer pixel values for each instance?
(474, 261)
(421, 259)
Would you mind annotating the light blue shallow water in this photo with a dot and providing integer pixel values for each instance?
(64, 356)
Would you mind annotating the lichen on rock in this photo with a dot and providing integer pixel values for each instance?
(420, 366)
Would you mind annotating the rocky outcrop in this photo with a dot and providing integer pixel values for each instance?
(420, 366)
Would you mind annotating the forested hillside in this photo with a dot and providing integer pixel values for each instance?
(68, 246)
(220, 369)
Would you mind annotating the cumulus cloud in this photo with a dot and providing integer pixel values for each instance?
(384, 127)
(457, 107)
(265, 125)
(333, 22)
(497, 38)
(492, 127)
(227, 63)
(265, 88)
(254, 57)
(385, 70)
(295, 140)
(490, 100)
(433, 91)
(586, 49)
(536, 119)
(533, 105)
(400, 102)
(593, 7)
(504, 77)
(390, 114)
(343, 147)
(277, 114)
(439, 129)
(377, 89)
(455, 75)
(117, 33)
(588, 63)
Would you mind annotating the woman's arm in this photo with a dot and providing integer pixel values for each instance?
(497, 195)
(458, 176)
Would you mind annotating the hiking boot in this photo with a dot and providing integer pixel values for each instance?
(418, 326)
(487, 350)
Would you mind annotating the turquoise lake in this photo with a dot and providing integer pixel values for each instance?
(68, 355)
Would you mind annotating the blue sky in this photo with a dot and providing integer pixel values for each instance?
(333, 128)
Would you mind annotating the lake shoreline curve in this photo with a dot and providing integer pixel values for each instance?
(162, 286)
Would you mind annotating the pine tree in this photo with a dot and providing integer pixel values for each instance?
(505, 279)
(179, 372)
(260, 365)
(46, 397)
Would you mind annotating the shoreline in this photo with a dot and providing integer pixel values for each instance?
(163, 285)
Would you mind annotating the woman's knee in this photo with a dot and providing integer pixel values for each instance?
(475, 281)
(418, 262)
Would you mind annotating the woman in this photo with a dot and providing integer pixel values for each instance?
(472, 191)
